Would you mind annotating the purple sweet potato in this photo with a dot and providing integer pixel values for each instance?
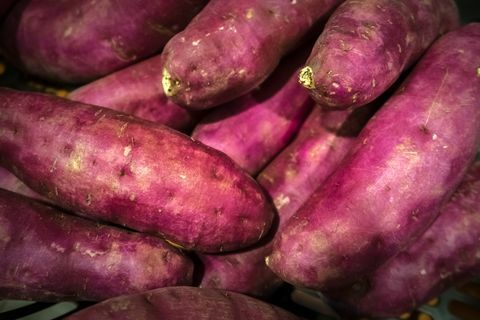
(50, 256)
(179, 303)
(137, 90)
(366, 45)
(231, 46)
(448, 253)
(252, 129)
(76, 41)
(405, 163)
(289, 180)
(111, 166)
(9, 182)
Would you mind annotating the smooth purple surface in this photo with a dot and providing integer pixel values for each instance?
(252, 129)
(289, 180)
(115, 167)
(231, 46)
(366, 45)
(76, 41)
(407, 161)
(446, 254)
(50, 256)
(180, 303)
(137, 90)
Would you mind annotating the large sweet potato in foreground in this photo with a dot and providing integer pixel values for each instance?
(50, 256)
(231, 46)
(446, 254)
(77, 41)
(181, 303)
(137, 90)
(406, 162)
(323, 141)
(110, 166)
(367, 44)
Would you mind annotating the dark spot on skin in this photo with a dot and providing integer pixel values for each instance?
(94, 162)
(67, 149)
(218, 211)
(170, 193)
(15, 131)
(122, 172)
(424, 129)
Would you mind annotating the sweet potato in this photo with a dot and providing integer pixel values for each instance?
(289, 179)
(231, 46)
(76, 41)
(447, 253)
(50, 256)
(111, 166)
(366, 45)
(9, 182)
(137, 90)
(407, 161)
(252, 129)
(183, 303)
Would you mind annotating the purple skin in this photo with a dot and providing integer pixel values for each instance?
(130, 172)
(289, 180)
(448, 253)
(366, 45)
(9, 182)
(407, 160)
(183, 303)
(50, 256)
(252, 129)
(232, 46)
(76, 41)
(137, 90)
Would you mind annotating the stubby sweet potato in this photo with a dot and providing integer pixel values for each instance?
(407, 160)
(50, 256)
(9, 182)
(111, 166)
(137, 90)
(446, 254)
(231, 46)
(252, 129)
(366, 45)
(77, 41)
(289, 179)
(178, 303)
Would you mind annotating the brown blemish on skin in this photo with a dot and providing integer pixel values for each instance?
(161, 29)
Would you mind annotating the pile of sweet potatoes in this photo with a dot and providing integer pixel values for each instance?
(235, 146)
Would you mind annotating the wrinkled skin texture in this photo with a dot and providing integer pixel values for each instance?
(406, 162)
(366, 45)
(137, 90)
(289, 180)
(447, 253)
(232, 46)
(252, 129)
(51, 256)
(178, 303)
(114, 167)
(76, 41)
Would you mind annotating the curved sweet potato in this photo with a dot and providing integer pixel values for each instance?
(366, 45)
(76, 41)
(406, 162)
(110, 166)
(231, 46)
(447, 254)
(184, 303)
(50, 256)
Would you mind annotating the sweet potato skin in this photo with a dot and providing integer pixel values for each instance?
(184, 303)
(231, 46)
(11, 183)
(50, 256)
(137, 90)
(114, 167)
(76, 41)
(322, 142)
(252, 129)
(446, 254)
(407, 160)
(366, 45)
